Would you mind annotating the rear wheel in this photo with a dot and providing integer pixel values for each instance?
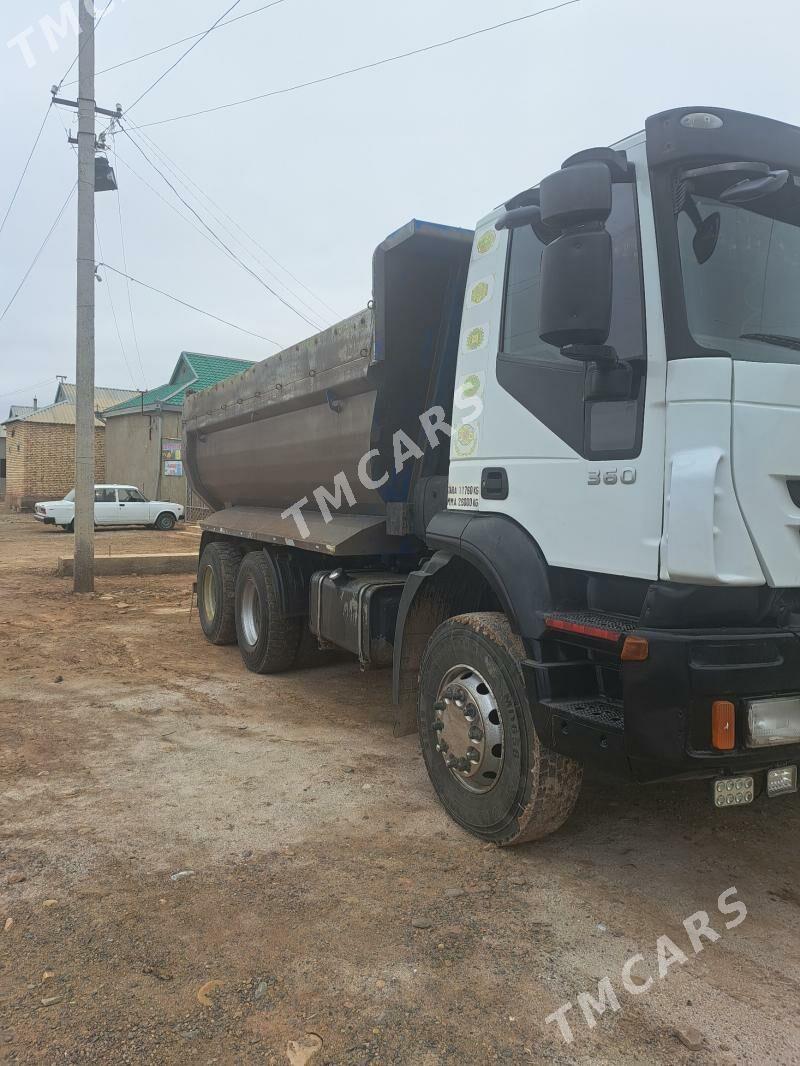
(268, 639)
(216, 591)
(485, 760)
(165, 521)
(69, 528)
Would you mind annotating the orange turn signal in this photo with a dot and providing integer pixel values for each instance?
(635, 650)
(723, 725)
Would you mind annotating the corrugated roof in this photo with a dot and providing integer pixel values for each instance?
(20, 410)
(57, 414)
(208, 370)
(103, 398)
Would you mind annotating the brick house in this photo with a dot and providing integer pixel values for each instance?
(40, 449)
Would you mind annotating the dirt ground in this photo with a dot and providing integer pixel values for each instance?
(329, 894)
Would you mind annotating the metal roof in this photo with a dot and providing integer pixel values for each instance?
(103, 398)
(204, 371)
(57, 414)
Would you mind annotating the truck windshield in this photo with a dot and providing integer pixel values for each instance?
(743, 298)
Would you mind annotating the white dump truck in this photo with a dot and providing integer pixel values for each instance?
(550, 475)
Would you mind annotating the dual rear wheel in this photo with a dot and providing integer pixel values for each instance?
(239, 601)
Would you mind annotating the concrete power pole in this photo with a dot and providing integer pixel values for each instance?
(84, 404)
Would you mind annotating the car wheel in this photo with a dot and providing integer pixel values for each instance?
(484, 758)
(268, 639)
(216, 591)
(165, 521)
(70, 528)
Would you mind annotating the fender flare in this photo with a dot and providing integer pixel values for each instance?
(505, 555)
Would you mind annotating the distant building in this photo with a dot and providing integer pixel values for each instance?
(143, 434)
(40, 447)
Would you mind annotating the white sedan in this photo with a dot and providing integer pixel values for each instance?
(114, 505)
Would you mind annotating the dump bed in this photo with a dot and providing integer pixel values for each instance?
(261, 441)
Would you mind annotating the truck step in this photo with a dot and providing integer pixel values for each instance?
(600, 711)
(597, 625)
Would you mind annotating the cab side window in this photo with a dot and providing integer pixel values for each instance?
(130, 496)
(557, 390)
(105, 496)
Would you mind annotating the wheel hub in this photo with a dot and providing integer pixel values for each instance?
(251, 612)
(468, 730)
(209, 593)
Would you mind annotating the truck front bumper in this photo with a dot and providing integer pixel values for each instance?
(668, 698)
(662, 726)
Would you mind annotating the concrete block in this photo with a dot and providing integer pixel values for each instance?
(166, 563)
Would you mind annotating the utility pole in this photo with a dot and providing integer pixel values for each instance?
(84, 401)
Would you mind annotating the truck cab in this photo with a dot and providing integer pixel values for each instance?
(602, 570)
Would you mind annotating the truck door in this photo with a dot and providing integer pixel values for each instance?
(578, 464)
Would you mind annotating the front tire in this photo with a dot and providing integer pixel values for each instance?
(504, 786)
(268, 639)
(216, 591)
(165, 522)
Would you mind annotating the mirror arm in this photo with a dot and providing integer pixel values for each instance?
(602, 354)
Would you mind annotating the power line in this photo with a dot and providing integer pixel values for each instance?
(108, 287)
(114, 315)
(363, 67)
(181, 58)
(128, 284)
(212, 240)
(105, 11)
(191, 307)
(25, 168)
(169, 203)
(41, 249)
(206, 226)
(173, 167)
(183, 40)
(27, 388)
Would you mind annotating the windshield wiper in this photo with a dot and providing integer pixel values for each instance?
(773, 338)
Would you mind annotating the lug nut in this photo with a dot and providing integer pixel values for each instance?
(475, 733)
(464, 765)
(451, 762)
(438, 726)
(443, 745)
(473, 755)
(438, 706)
(471, 712)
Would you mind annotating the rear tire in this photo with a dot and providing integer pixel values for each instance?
(216, 591)
(268, 639)
(70, 528)
(165, 522)
(505, 787)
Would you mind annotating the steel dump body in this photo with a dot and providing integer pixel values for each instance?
(258, 443)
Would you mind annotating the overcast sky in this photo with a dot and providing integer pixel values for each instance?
(320, 176)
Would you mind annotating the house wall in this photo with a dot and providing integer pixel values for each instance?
(2, 468)
(133, 453)
(40, 462)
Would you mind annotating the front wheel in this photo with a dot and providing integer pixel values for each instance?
(489, 768)
(165, 521)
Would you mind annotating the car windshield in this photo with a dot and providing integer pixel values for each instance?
(741, 274)
(70, 497)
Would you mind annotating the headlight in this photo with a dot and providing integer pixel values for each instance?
(771, 722)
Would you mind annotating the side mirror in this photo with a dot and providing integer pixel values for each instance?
(576, 284)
